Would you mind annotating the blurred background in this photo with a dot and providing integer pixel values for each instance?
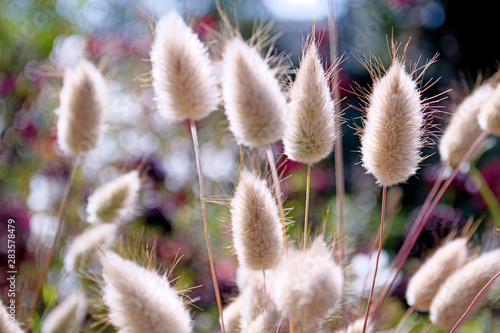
(38, 39)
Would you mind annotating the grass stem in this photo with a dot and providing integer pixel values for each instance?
(384, 191)
(277, 191)
(308, 190)
(196, 145)
(339, 157)
(50, 253)
(404, 319)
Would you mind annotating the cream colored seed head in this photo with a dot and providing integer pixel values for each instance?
(252, 294)
(307, 285)
(114, 200)
(255, 105)
(426, 282)
(268, 321)
(232, 315)
(68, 316)
(392, 137)
(257, 234)
(463, 128)
(99, 237)
(183, 80)
(311, 130)
(81, 113)
(139, 300)
(489, 113)
(460, 289)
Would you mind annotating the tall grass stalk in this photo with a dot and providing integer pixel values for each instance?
(194, 134)
(277, 191)
(50, 253)
(339, 158)
(397, 263)
(308, 193)
(384, 192)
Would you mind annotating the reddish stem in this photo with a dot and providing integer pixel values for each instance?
(196, 145)
(46, 264)
(384, 190)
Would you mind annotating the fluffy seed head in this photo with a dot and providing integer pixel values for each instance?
(489, 113)
(81, 113)
(101, 236)
(392, 138)
(425, 283)
(68, 316)
(458, 291)
(268, 321)
(183, 82)
(114, 200)
(311, 129)
(307, 285)
(252, 293)
(232, 315)
(257, 234)
(6, 323)
(139, 300)
(463, 128)
(255, 106)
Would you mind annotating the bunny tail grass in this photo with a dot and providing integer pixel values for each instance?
(101, 236)
(489, 113)
(68, 316)
(140, 300)
(460, 289)
(183, 80)
(463, 127)
(392, 137)
(84, 97)
(311, 129)
(256, 224)
(113, 201)
(425, 283)
(255, 105)
(307, 284)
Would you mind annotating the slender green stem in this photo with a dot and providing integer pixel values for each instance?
(50, 253)
(487, 194)
(428, 327)
(384, 190)
(308, 190)
(404, 319)
(277, 190)
(196, 145)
